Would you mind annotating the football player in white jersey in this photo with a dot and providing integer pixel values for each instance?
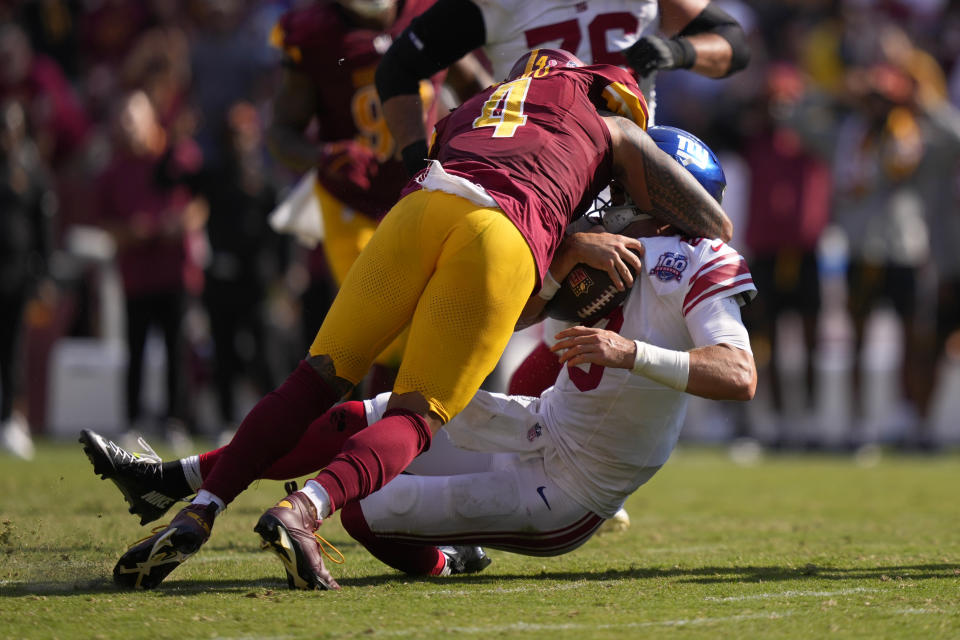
(646, 35)
(566, 461)
(553, 468)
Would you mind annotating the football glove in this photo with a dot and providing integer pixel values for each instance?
(348, 162)
(653, 53)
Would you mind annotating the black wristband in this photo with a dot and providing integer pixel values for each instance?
(414, 156)
(685, 56)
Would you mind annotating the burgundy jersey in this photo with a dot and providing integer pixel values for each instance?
(538, 145)
(341, 61)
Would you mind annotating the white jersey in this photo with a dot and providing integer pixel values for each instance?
(595, 31)
(598, 433)
(612, 430)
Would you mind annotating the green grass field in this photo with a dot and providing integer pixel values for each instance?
(792, 547)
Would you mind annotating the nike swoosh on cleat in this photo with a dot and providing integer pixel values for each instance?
(540, 491)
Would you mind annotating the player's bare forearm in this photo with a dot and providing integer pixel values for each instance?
(717, 372)
(660, 185)
(722, 372)
(710, 31)
(467, 76)
(404, 116)
(294, 106)
(291, 148)
(714, 55)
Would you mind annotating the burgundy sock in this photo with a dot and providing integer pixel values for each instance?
(271, 429)
(375, 456)
(415, 559)
(209, 460)
(536, 373)
(318, 446)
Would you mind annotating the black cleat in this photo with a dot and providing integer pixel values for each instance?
(139, 476)
(289, 530)
(464, 559)
(149, 561)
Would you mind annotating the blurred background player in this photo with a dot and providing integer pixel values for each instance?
(458, 264)
(326, 115)
(699, 36)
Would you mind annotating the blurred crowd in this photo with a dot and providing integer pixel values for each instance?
(842, 140)
(145, 119)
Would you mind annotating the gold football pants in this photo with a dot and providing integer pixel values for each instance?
(346, 233)
(458, 273)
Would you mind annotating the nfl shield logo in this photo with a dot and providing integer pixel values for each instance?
(580, 282)
(534, 432)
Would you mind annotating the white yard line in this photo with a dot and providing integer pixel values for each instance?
(681, 622)
(792, 594)
(523, 626)
(580, 584)
(690, 549)
(915, 611)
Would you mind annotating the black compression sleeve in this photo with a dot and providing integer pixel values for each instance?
(443, 34)
(713, 19)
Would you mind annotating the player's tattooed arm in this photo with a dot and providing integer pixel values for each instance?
(658, 184)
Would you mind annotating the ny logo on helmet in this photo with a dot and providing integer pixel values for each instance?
(690, 151)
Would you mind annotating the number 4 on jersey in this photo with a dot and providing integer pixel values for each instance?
(504, 110)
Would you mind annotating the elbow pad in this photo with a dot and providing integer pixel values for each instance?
(443, 34)
(713, 19)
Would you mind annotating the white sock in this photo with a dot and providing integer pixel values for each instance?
(191, 471)
(205, 497)
(318, 496)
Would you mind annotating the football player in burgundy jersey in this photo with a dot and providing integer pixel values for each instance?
(456, 259)
(330, 52)
(556, 466)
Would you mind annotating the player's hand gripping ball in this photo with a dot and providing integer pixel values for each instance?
(587, 295)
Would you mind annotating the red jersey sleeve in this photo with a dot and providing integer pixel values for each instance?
(722, 273)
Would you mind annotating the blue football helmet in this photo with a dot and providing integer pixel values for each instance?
(689, 151)
(692, 153)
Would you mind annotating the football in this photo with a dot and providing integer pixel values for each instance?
(586, 295)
